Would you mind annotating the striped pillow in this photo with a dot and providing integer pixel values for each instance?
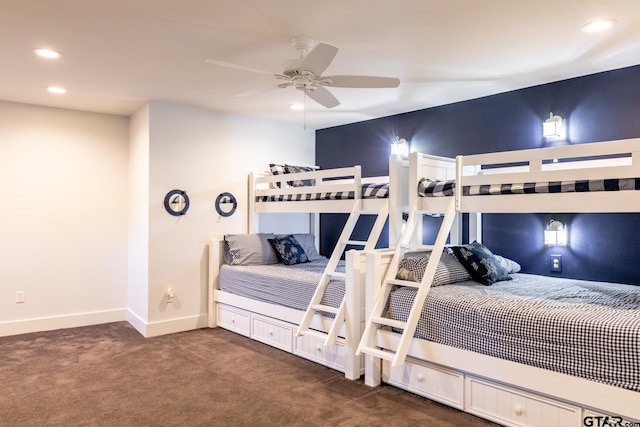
(449, 269)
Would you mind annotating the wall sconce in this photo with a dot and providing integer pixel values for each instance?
(552, 127)
(400, 146)
(555, 233)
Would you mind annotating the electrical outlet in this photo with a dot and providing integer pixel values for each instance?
(556, 263)
(19, 297)
(169, 295)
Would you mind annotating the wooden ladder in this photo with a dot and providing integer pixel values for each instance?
(377, 318)
(315, 306)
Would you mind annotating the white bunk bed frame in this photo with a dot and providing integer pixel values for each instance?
(281, 326)
(506, 392)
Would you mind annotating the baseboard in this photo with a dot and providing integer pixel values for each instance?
(165, 327)
(51, 323)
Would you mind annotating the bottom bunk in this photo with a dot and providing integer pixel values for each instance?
(530, 350)
(267, 302)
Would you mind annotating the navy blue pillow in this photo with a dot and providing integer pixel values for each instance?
(480, 263)
(288, 250)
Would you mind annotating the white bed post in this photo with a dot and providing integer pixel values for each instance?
(355, 262)
(252, 220)
(215, 260)
(398, 192)
(475, 227)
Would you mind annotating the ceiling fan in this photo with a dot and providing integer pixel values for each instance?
(305, 73)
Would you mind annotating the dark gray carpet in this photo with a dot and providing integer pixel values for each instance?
(109, 375)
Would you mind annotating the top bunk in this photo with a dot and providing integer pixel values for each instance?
(593, 177)
(291, 189)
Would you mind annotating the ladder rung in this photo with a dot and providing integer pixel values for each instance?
(382, 354)
(389, 322)
(399, 282)
(337, 275)
(326, 308)
(321, 335)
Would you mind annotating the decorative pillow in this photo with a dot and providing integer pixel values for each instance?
(510, 265)
(289, 250)
(249, 249)
(276, 170)
(308, 243)
(300, 182)
(480, 263)
(449, 269)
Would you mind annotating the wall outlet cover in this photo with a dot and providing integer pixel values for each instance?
(555, 261)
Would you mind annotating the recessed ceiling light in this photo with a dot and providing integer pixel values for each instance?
(597, 26)
(56, 89)
(296, 107)
(47, 53)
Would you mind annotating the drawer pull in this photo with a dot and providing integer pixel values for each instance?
(318, 349)
(519, 410)
(233, 320)
(271, 332)
(420, 378)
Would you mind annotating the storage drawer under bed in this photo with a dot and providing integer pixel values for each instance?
(513, 407)
(313, 348)
(273, 332)
(435, 382)
(234, 319)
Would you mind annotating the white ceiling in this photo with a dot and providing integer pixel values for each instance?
(120, 53)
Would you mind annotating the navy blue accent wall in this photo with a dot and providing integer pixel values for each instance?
(598, 107)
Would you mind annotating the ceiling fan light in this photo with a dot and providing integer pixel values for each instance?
(598, 26)
(296, 107)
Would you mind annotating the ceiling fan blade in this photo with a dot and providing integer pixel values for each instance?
(323, 97)
(362, 81)
(318, 59)
(238, 67)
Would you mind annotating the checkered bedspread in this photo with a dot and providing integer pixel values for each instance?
(431, 188)
(585, 329)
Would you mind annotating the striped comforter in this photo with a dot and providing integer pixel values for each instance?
(369, 191)
(290, 286)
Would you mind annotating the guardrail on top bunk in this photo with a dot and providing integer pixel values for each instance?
(337, 189)
(585, 174)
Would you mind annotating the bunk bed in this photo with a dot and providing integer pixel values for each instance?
(323, 319)
(483, 349)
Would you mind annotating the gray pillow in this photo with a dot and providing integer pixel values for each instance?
(249, 249)
(449, 269)
(308, 243)
(508, 264)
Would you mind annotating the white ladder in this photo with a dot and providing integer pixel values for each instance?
(377, 320)
(315, 306)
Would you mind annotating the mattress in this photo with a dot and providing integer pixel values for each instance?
(289, 286)
(369, 191)
(585, 329)
(431, 188)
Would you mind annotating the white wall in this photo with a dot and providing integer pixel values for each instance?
(138, 231)
(205, 154)
(83, 230)
(63, 221)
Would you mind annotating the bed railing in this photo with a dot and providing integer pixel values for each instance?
(584, 162)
